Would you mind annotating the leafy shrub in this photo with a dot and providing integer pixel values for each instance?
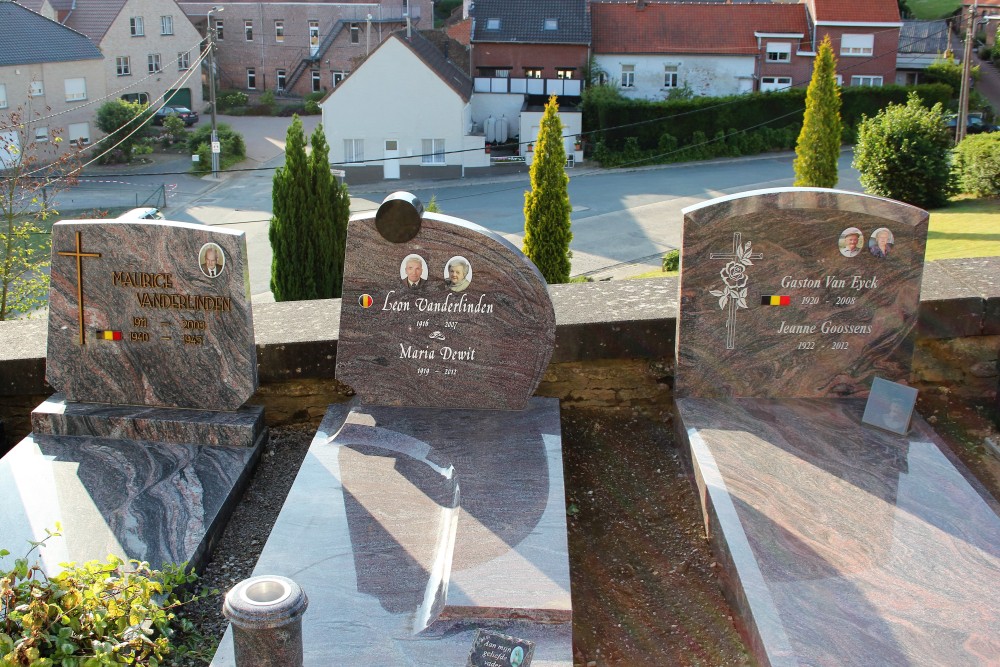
(672, 260)
(311, 108)
(228, 99)
(200, 143)
(267, 98)
(977, 164)
(315, 97)
(174, 129)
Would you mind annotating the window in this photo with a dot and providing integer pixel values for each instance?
(41, 134)
(153, 63)
(532, 72)
(251, 78)
(141, 98)
(135, 26)
(338, 77)
(184, 61)
(433, 151)
(866, 81)
(857, 45)
(495, 72)
(670, 76)
(314, 35)
(76, 89)
(550, 24)
(564, 72)
(315, 81)
(279, 31)
(123, 66)
(492, 24)
(3, 95)
(166, 25)
(79, 134)
(36, 88)
(355, 33)
(628, 76)
(775, 83)
(279, 76)
(779, 52)
(248, 30)
(218, 29)
(354, 150)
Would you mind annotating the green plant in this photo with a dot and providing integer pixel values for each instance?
(233, 148)
(311, 108)
(97, 613)
(948, 71)
(818, 147)
(904, 152)
(228, 99)
(672, 260)
(174, 128)
(432, 205)
(267, 98)
(121, 121)
(547, 209)
(977, 164)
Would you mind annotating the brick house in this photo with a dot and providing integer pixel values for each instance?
(300, 47)
(865, 38)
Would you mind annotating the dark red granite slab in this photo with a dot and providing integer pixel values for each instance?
(173, 335)
(843, 320)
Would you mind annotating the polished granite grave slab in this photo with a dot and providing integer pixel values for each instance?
(845, 544)
(152, 501)
(409, 529)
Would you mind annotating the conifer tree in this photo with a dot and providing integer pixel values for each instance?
(331, 206)
(292, 273)
(546, 206)
(818, 146)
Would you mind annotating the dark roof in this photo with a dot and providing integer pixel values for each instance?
(31, 38)
(523, 21)
(94, 17)
(432, 56)
(923, 37)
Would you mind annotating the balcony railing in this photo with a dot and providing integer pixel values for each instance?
(485, 84)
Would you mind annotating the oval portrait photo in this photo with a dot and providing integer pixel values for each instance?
(413, 272)
(212, 260)
(457, 273)
(880, 243)
(851, 242)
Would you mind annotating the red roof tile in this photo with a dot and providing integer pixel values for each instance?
(851, 11)
(690, 28)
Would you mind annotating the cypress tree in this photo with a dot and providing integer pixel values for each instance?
(331, 204)
(291, 230)
(546, 206)
(818, 146)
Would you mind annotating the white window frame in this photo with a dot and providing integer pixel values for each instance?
(280, 79)
(768, 83)
(492, 24)
(671, 76)
(183, 61)
(354, 150)
(136, 27)
(779, 52)
(532, 72)
(857, 46)
(628, 76)
(36, 89)
(866, 80)
(317, 81)
(337, 76)
(219, 29)
(41, 134)
(123, 65)
(550, 24)
(355, 33)
(432, 151)
(76, 89)
(3, 95)
(248, 30)
(279, 30)
(564, 73)
(79, 133)
(153, 63)
(251, 78)
(167, 25)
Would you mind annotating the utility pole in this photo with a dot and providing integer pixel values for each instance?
(211, 89)
(963, 95)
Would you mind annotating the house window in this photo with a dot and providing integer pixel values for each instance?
(779, 52)
(550, 24)
(628, 76)
(338, 77)
(866, 81)
(184, 61)
(280, 78)
(251, 78)
(79, 134)
(355, 33)
(279, 31)
(532, 72)
(141, 98)
(76, 89)
(218, 29)
(135, 26)
(775, 83)
(314, 36)
(153, 63)
(123, 66)
(857, 45)
(492, 24)
(670, 76)
(166, 25)
(41, 134)
(495, 72)
(3, 95)
(354, 150)
(248, 30)
(36, 89)
(433, 151)
(315, 81)
(564, 72)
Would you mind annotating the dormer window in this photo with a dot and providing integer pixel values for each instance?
(551, 24)
(492, 24)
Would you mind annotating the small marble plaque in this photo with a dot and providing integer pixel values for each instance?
(493, 649)
(890, 406)
(453, 316)
(150, 313)
(797, 292)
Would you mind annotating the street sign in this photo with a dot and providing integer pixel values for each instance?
(216, 147)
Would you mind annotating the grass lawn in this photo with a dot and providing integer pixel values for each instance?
(964, 228)
(932, 9)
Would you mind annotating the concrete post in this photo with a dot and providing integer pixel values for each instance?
(266, 613)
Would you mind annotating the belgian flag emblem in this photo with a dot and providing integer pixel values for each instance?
(108, 335)
(365, 300)
(775, 300)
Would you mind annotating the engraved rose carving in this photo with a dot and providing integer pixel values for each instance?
(735, 279)
(734, 275)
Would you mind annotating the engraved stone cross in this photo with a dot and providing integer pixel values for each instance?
(733, 296)
(79, 254)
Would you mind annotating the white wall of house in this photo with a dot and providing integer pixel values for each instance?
(395, 96)
(708, 75)
(498, 105)
(572, 126)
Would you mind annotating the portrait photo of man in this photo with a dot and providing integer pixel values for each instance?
(850, 242)
(212, 260)
(458, 274)
(413, 272)
(881, 242)
(890, 406)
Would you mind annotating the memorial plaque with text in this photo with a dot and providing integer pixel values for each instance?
(797, 292)
(452, 317)
(150, 313)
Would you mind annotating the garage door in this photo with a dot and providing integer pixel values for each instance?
(179, 97)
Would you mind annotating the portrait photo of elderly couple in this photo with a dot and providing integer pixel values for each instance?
(414, 274)
(852, 242)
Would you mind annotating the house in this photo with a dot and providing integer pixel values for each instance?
(921, 43)
(405, 112)
(300, 47)
(49, 74)
(152, 52)
(865, 37)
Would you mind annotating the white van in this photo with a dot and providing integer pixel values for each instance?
(142, 214)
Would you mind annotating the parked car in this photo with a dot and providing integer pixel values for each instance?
(147, 213)
(189, 117)
(974, 124)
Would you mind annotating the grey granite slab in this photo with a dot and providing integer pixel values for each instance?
(982, 275)
(845, 544)
(409, 529)
(949, 308)
(240, 428)
(139, 315)
(157, 502)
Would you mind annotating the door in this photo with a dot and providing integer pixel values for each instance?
(313, 38)
(390, 166)
(178, 97)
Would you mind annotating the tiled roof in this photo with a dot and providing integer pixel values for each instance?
(31, 38)
(524, 21)
(855, 11)
(436, 61)
(690, 28)
(94, 17)
(923, 37)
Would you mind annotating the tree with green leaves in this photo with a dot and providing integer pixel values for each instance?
(121, 121)
(818, 146)
(547, 209)
(331, 210)
(904, 153)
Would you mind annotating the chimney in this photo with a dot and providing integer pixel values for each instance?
(409, 27)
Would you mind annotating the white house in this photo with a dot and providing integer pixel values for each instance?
(403, 113)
